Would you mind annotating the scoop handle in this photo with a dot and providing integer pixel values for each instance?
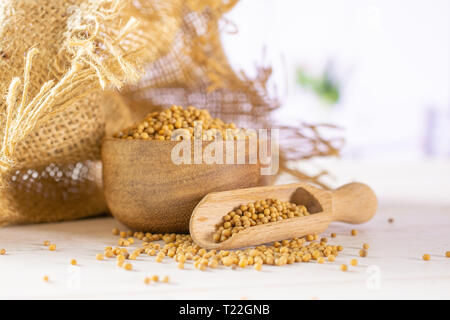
(354, 203)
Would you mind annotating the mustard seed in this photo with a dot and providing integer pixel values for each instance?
(344, 267)
(447, 254)
(132, 256)
(73, 262)
(333, 235)
(426, 257)
(160, 125)
(257, 213)
(227, 261)
(99, 256)
(307, 257)
(147, 280)
(128, 266)
(182, 248)
(155, 278)
(354, 232)
(243, 263)
(354, 262)
(46, 243)
(213, 264)
(258, 266)
(365, 246)
(46, 278)
(165, 279)
(52, 247)
(115, 232)
(2, 252)
(362, 253)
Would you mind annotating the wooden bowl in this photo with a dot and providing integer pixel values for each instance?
(146, 191)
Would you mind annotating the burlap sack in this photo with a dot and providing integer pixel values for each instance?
(58, 61)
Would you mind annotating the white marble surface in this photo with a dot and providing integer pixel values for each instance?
(394, 258)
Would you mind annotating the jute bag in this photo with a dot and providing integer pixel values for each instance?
(58, 61)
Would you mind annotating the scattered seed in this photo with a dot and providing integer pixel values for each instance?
(73, 262)
(181, 248)
(213, 264)
(115, 232)
(344, 267)
(46, 243)
(2, 252)
(391, 220)
(362, 253)
(155, 278)
(128, 266)
(333, 235)
(52, 247)
(354, 232)
(99, 256)
(46, 278)
(354, 262)
(147, 280)
(366, 246)
(447, 254)
(165, 279)
(426, 257)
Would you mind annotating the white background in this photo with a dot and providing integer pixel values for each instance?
(391, 57)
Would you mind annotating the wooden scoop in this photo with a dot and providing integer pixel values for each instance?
(351, 203)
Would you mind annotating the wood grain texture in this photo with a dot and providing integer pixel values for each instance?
(356, 203)
(146, 191)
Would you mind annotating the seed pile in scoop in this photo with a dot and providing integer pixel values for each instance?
(256, 213)
(160, 125)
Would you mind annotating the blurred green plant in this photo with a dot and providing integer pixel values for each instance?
(324, 86)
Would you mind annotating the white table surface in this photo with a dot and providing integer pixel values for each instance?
(395, 259)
